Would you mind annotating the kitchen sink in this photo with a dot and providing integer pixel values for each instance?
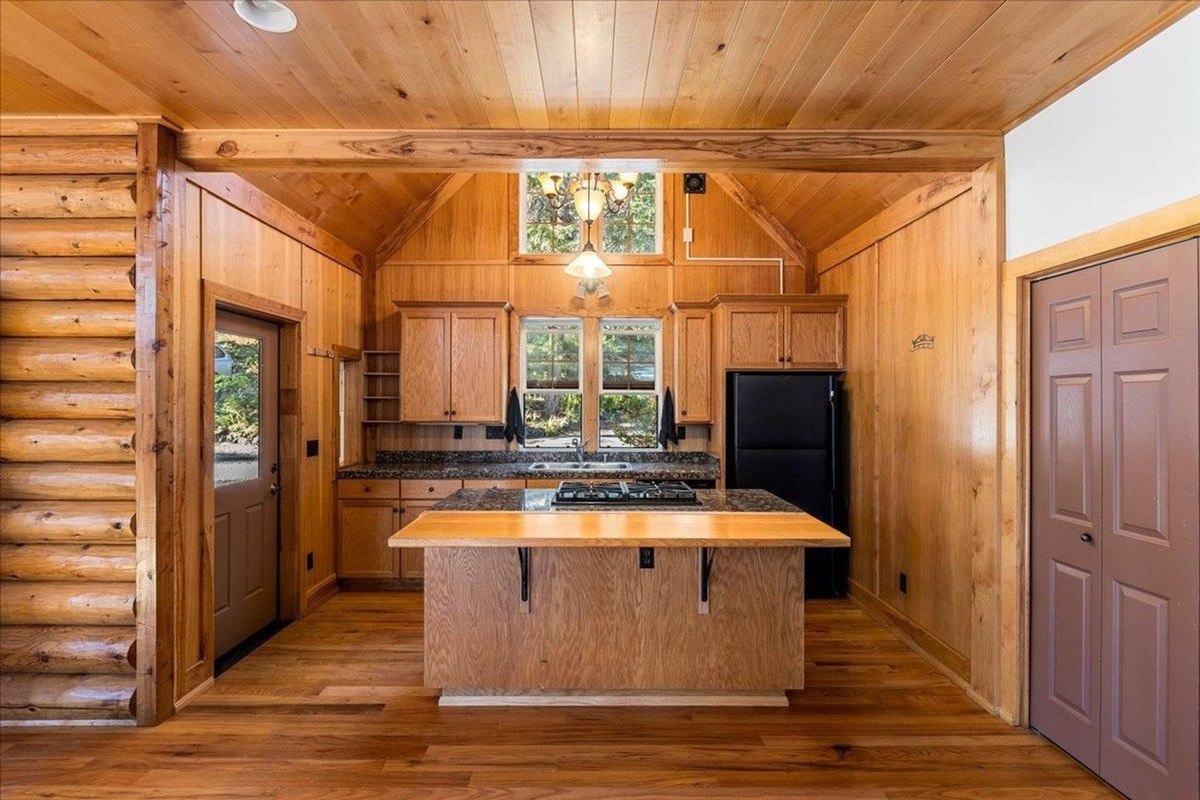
(580, 466)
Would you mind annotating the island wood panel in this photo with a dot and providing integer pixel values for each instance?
(67, 475)
(619, 529)
(934, 317)
(596, 621)
(857, 278)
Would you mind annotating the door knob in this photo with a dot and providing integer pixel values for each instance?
(1085, 537)
(274, 488)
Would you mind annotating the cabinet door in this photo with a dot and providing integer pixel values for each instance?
(412, 559)
(364, 527)
(814, 339)
(693, 367)
(477, 366)
(754, 337)
(425, 366)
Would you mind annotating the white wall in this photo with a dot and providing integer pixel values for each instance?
(1123, 143)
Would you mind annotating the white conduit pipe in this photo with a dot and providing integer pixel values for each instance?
(687, 246)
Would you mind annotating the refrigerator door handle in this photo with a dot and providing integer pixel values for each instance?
(833, 444)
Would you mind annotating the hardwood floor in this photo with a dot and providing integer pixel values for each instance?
(333, 708)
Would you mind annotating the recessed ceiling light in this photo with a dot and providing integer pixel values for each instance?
(267, 15)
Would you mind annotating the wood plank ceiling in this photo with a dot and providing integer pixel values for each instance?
(832, 64)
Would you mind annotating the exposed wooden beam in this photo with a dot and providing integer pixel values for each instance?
(917, 203)
(651, 151)
(794, 250)
(420, 215)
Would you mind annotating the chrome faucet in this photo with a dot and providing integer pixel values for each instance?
(578, 445)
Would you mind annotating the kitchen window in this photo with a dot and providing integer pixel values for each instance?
(630, 382)
(636, 228)
(552, 381)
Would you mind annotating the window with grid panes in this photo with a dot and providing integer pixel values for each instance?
(636, 229)
(551, 381)
(630, 382)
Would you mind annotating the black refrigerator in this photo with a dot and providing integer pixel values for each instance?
(785, 435)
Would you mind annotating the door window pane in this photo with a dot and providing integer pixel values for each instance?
(237, 414)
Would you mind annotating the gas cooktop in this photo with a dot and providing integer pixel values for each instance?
(665, 493)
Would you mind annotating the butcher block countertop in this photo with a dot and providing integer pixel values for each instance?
(708, 525)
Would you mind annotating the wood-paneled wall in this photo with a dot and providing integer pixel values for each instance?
(464, 253)
(67, 491)
(922, 395)
(228, 245)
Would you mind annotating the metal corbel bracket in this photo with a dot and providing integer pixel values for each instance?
(523, 560)
(706, 562)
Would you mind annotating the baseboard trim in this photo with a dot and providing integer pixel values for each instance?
(576, 697)
(380, 584)
(318, 594)
(949, 662)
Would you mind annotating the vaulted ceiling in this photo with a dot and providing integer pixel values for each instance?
(835, 64)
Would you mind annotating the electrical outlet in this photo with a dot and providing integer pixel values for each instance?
(646, 558)
(458, 431)
(493, 432)
(312, 447)
(681, 432)
(903, 583)
(308, 562)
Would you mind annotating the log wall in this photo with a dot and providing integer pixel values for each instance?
(67, 554)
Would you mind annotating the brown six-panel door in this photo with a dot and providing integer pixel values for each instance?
(1115, 506)
(1151, 593)
(1066, 508)
(245, 478)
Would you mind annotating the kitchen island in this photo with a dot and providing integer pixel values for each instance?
(532, 603)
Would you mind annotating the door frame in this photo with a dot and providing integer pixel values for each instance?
(216, 296)
(1167, 225)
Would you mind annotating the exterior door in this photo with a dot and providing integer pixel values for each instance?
(245, 474)
(1151, 605)
(1115, 657)
(1065, 510)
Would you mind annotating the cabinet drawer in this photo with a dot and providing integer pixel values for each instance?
(429, 490)
(373, 488)
(496, 483)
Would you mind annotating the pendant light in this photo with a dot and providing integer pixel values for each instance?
(589, 267)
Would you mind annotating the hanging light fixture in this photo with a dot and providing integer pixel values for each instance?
(589, 268)
(591, 196)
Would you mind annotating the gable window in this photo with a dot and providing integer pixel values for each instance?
(630, 382)
(635, 228)
(551, 381)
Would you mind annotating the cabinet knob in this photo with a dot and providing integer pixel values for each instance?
(396, 510)
(781, 359)
(789, 359)
(683, 412)
(431, 488)
(453, 412)
(445, 413)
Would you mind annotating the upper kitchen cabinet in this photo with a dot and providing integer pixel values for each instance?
(783, 332)
(453, 363)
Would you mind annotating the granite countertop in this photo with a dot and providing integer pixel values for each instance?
(540, 500)
(496, 465)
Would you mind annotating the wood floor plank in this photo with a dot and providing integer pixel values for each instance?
(333, 707)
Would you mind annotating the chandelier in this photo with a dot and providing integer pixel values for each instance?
(592, 194)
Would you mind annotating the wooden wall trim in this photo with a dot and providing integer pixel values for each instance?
(912, 206)
(1178, 220)
(420, 215)
(597, 150)
(779, 233)
(1153, 229)
(155, 265)
(242, 194)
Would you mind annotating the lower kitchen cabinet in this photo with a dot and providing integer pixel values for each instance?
(412, 559)
(363, 530)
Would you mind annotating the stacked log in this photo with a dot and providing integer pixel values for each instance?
(67, 406)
